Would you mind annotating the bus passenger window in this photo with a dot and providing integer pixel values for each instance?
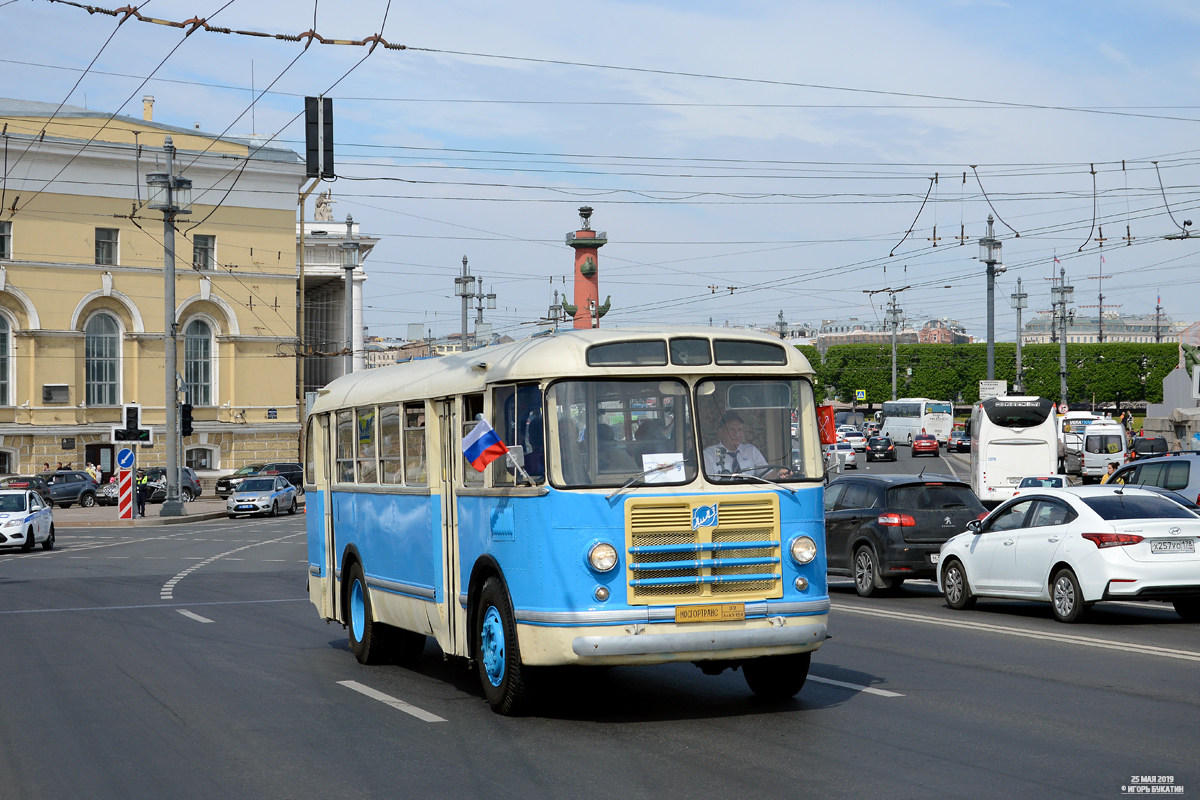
(365, 440)
(472, 410)
(310, 451)
(414, 444)
(390, 449)
(517, 419)
(345, 447)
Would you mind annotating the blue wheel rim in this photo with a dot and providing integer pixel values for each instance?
(492, 646)
(358, 611)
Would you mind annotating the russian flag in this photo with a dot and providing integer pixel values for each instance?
(482, 445)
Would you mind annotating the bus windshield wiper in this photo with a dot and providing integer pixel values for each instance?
(636, 478)
(760, 479)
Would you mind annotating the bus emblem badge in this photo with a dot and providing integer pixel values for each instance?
(704, 517)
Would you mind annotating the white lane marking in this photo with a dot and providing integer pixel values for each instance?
(154, 605)
(64, 549)
(274, 559)
(855, 687)
(78, 556)
(395, 703)
(168, 589)
(1083, 641)
(117, 556)
(190, 615)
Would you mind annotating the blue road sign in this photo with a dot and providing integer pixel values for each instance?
(125, 458)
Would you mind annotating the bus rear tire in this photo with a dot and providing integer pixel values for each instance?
(777, 677)
(366, 636)
(500, 670)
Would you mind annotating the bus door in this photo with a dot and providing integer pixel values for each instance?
(450, 459)
(324, 478)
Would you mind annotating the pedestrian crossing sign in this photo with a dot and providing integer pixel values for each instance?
(860, 394)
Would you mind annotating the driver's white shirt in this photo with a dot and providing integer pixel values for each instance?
(719, 460)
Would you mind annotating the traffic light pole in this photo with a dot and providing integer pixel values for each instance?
(172, 506)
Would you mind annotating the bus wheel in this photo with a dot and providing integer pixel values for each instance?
(777, 677)
(500, 669)
(364, 631)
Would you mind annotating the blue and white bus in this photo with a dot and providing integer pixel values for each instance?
(662, 510)
(903, 419)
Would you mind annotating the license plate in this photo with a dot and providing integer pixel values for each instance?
(1173, 546)
(245, 508)
(935, 558)
(723, 612)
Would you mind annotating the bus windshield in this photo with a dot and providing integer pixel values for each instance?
(609, 431)
(939, 408)
(746, 430)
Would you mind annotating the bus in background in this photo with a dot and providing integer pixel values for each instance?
(1011, 438)
(903, 419)
(654, 505)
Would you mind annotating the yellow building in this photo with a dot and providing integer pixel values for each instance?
(81, 291)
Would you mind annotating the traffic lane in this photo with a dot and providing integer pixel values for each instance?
(956, 464)
(1148, 625)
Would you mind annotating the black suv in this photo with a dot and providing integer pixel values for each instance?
(881, 448)
(883, 529)
(68, 487)
(290, 470)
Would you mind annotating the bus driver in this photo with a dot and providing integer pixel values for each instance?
(733, 456)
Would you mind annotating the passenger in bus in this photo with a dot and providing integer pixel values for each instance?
(611, 456)
(534, 440)
(732, 455)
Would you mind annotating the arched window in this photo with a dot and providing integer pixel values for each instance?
(197, 362)
(102, 360)
(5, 342)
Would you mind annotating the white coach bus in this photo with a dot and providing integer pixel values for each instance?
(903, 419)
(1011, 438)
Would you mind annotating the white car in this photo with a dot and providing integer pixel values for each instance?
(856, 440)
(1076, 547)
(25, 520)
(844, 452)
(262, 494)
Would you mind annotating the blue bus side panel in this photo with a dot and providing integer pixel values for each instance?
(541, 544)
(314, 523)
(394, 534)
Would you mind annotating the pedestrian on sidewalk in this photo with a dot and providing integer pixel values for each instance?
(143, 492)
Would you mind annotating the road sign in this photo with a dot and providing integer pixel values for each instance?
(125, 458)
(860, 394)
(992, 389)
(125, 493)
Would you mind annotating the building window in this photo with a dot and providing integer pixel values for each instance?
(204, 252)
(197, 362)
(102, 362)
(5, 339)
(106, 246)
(5, 240)
(200, 458)
(6, 462)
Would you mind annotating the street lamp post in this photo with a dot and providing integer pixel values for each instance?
(172, 195)
(893, 315)
(1060, 295)
(349, 264)
(1019, 301)
(989, 254)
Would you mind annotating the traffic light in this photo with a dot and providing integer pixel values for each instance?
(136, 435)
(132, 414)
(185, 419)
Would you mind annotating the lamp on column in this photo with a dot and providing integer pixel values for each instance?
(349, 264)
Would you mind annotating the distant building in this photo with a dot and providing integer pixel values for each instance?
(944, 331)
(856, 332)
(1117, 328)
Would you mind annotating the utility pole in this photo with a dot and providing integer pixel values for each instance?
(782, 325)
(1158, 319)
(349, 263)
(1061, 294)
(1019, 301)
(989, 254)
(480, 297)
(894, 319)
(171, 195)
(464, 287)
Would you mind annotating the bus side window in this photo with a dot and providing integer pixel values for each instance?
(517, 419)
(472, 407)
(391, 449)
(414, 444)
(368, 471)
(345, 447)
(310, 451)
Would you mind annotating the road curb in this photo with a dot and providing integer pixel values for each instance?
(146, 522)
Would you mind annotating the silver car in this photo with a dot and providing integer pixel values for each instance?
(266, 495)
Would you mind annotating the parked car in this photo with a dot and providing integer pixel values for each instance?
(262, 495)
(1075, 547)
(288, 469)
(925, 444)
(108, 495)
(881, 448)
(1142, 447)
(856, 440)
(228, 483)
(25, 520)
(959, 442)
(34, 482)
(844, 452)
(189, 484)
(1044, 482)
(1178, 473)
(884, 529)
(68, 487)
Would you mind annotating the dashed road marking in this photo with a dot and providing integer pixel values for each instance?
(168, 589)
(855, 687)
(191, 615)
(151, 605)
(395, 703)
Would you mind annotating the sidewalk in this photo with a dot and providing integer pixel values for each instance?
(199, 510)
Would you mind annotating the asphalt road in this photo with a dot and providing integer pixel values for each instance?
(186, 662)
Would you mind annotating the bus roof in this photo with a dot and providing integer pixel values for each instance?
(558, 354)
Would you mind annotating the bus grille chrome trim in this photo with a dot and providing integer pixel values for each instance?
(699, 641)
(651, 614)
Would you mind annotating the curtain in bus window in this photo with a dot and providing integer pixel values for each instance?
(345, 447)
(414, 444)
(391, 450)
(365, 446)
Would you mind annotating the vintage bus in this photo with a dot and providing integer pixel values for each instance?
(1011, 438)
(655, 506)
(903, 419)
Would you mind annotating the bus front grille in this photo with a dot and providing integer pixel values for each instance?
(737, 559)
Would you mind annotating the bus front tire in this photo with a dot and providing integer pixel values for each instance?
(777, 677)
(365, 634)
(499, 657)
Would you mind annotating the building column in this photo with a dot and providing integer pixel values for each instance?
(357, 334)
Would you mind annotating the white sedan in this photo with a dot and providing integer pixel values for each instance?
(25, 520)
(1075, 547)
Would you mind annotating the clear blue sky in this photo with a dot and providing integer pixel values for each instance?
(794, 194)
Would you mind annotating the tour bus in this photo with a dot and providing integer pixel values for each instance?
(905, 418)
(654, 506)
(1011, 438)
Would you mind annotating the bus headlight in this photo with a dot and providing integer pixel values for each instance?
(803, 549)
(602, 557)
